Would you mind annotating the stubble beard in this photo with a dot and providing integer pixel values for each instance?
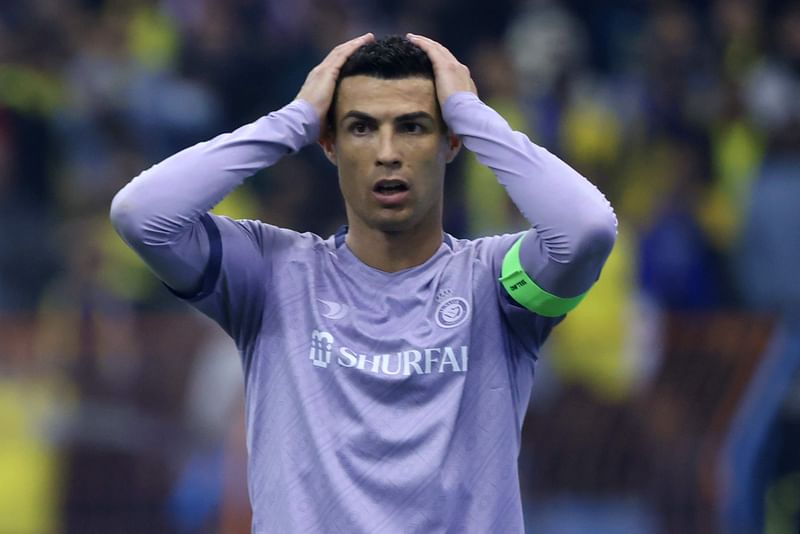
(394, 223)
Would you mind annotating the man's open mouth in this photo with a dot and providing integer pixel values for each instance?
(387, 187)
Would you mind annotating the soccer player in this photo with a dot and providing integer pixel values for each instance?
(387, 367)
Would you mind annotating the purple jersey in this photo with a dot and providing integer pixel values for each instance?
(376, 402)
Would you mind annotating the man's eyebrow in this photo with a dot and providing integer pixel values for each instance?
(415, 115)
(358, 115)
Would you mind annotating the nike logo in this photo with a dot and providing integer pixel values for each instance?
(334, 309)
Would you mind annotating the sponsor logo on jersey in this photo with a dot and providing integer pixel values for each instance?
(333, 310)
(405, 362)
(321, 344)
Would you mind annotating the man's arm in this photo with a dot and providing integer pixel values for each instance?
(573, 225)
(161, 214)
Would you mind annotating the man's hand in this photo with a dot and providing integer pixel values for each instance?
(321, 81)
(450, 75)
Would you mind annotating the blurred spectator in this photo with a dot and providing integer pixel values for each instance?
(489, 209)
(769, 248)
(738, 26)
(772, 86)
(35, 397)
(768, 254)
(678, 267)
(196, 503)
(27, 255)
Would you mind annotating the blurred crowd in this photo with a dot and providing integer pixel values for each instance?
(685, 114)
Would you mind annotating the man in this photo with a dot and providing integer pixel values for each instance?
(387, 368)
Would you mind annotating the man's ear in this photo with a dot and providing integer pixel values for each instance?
(453, 146)
(328, 144)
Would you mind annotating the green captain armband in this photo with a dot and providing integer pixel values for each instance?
(525, 291)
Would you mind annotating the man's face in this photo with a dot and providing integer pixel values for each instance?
(391, 148)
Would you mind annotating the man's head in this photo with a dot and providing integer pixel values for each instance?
(390, 58)
(387, 137)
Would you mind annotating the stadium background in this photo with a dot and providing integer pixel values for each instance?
(668, 402)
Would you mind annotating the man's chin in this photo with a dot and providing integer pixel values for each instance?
(393, 227)
(394, 222)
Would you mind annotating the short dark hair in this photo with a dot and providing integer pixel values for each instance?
(390, 58)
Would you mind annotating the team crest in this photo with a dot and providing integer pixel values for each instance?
(452, 312)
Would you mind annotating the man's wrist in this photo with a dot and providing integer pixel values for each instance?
(305, 115)
(456, 101)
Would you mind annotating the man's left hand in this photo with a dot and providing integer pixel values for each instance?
(451, 76)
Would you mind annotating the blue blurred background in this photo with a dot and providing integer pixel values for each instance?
(668, 402)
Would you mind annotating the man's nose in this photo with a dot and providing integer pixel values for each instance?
(388, 153)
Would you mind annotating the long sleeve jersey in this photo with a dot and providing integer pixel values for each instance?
(375, 401)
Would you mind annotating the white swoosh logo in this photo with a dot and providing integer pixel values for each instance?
(334, 311)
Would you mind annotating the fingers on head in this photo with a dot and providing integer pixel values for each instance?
(342, 51)
(424, 41)
(419, 40)
(358, 41)
(431, 47)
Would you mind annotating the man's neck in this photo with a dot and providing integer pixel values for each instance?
(394, 251)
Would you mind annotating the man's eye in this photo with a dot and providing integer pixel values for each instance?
(359, 128)
(412, 127)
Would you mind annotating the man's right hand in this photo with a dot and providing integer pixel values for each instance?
(321, 81)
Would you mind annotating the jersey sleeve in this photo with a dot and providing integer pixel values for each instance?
(234, 289)
(548, 269)
(526, 292)
(162, 213)
(530, 328)
(218, 264)
(232, 286)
